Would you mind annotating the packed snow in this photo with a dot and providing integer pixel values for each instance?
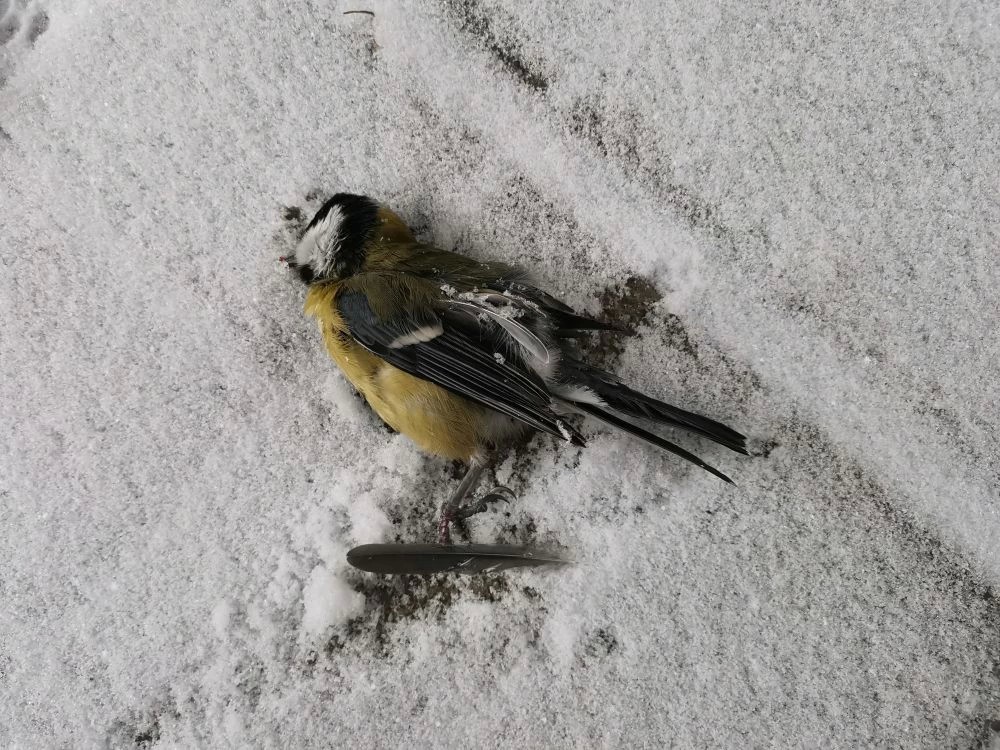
(796, 205)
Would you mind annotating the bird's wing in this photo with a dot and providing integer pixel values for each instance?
(394, 316)
(458, 272)
(564, 318)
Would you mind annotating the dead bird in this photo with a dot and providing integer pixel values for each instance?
(462, 356)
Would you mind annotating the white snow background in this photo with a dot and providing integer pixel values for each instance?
(797, 203)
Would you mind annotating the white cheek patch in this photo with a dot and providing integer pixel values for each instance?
(425, 333)
(319, 245)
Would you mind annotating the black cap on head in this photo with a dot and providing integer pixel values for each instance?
(333, 245)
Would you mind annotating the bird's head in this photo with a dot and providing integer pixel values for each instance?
(334, 244)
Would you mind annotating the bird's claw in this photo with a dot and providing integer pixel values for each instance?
(450, 515)
(497, 494)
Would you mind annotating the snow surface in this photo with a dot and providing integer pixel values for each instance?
(798, 203)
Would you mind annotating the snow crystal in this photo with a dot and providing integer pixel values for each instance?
(328, 601)
(368, 522)
(221, 616)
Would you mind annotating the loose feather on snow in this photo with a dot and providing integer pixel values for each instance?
(426, 559)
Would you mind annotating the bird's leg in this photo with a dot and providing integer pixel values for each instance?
(506, 494)
(450, 508)
(454, 508)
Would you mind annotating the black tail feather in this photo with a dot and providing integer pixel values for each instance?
(649, 437)
(635, 404)
(632, 403)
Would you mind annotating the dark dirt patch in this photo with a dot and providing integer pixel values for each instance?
(38, 25)
(141, 732)
(393, 599)
(602, 642)
(146, 738)
(629, 305)
(494, 34)
(297, 218)
(8, 28)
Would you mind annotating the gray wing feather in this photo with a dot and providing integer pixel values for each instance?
(456, 361)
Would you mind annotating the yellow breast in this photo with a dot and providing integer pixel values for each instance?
(438, 421)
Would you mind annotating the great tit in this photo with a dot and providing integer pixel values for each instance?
(462, 356)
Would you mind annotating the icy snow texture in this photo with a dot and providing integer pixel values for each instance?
(812, 189)
(329, 601)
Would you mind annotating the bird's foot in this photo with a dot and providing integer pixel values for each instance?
(497, 494)
(460, 513)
